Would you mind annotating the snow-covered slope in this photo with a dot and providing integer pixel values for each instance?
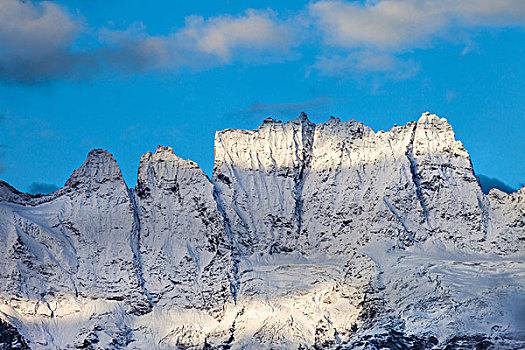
(307, 236)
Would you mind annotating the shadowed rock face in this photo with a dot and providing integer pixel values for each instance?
(10, 339)
(318, 236)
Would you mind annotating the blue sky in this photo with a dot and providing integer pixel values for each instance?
(126, 77)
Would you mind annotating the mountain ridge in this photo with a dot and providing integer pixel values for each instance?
(306, 235)
(269, 120)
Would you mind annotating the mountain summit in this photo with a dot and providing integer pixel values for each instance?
(327, 236)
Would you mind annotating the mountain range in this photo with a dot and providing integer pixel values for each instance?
(307, 236)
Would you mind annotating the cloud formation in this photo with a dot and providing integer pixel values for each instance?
(224, 35)
(399, 24)
(258, 110)
(488, 183)
(253, 36)
(364, 63)
(42, 41)
(369, 36)
(37, 42)
(42, 188)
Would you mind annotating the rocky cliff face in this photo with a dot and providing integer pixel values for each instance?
(184, 248)
(307, 236)
(259, 175)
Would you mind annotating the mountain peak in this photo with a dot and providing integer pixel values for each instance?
(429, 119)
(166, 154)
(162, 149)
(271, 120)
(160, 168)
(100, 167)
(333, 120)
(433, 131)
(303, 118)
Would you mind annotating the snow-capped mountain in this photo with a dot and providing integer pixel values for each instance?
(306, 237)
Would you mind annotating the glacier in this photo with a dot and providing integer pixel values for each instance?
(307, 236)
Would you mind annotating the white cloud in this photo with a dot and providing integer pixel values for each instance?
(223, 35)
(396, 25)
(359, 64)
(370, 36)
(451, 95)
(488, 12)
